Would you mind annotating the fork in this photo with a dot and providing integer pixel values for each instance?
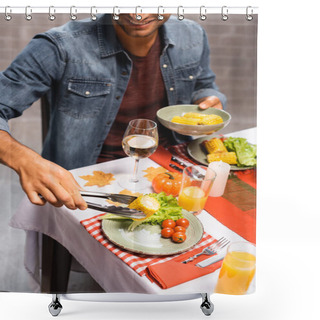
(213, 249)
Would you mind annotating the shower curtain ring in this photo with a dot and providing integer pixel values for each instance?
(160, 15)
(52, 10)
(116, 14)
(180, 13)
(249, 16)
(73, 13)
(93, 15)
(28, 12)
(138, 16)
(224, 13)
(7, 16)
(203, 13)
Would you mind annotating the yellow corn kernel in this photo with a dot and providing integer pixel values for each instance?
(228, 157)
(183, 120)
(215, 145)
(211, 119)
(146, 204)
(194, 115)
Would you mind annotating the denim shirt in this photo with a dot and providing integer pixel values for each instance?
(83, 70)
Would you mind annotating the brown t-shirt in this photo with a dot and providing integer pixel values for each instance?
(145, 94)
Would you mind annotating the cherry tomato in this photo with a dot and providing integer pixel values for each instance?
(179, 237)
(167, 232)
(168, 223)
(183, 222)
(180, 229)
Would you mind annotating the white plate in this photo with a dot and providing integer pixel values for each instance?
(146, 239)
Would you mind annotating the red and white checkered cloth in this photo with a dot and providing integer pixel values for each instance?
(138, 263)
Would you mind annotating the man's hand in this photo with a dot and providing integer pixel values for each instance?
(39, 176)
(209, 102)
(55, 184)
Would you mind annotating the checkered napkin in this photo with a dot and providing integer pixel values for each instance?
(138, 263)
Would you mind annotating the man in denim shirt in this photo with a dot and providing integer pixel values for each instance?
(84, 68)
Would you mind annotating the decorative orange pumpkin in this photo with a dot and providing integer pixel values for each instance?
(168, 182)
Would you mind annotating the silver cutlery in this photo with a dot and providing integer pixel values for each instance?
(121, 211)
(213, 249)
(122, 198)
(173, 166)
(212, 260)
(181, 161)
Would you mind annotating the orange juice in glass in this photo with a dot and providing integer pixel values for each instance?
(238, 269)
(195, 187)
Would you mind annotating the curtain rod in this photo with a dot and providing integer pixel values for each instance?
(138, 9)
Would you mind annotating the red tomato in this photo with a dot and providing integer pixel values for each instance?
(168, 223)
(180, 229)
(183, 222)
(168, 182)
(167, 232)
(179, 237)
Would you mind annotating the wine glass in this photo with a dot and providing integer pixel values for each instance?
(140, 140)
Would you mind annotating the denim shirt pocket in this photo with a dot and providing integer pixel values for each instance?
(85, 98)
(186, 78)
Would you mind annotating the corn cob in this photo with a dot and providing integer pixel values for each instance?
(194, 115)
(215, 145)
(228, 157)
(146, 204)
(211, 119)
(183, 120)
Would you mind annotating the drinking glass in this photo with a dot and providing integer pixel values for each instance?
(140, 140)
(238, 268)
(195, 187)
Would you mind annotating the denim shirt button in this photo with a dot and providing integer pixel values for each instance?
(171, 89)
(190, 77)
(87, 93)
(165, 66)
(124, 73)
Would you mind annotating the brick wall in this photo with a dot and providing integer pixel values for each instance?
(233, 57)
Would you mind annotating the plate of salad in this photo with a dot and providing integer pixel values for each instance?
(147, 237)
(244, 153)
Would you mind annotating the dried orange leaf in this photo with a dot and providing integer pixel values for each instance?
(152, 172)
(98, 178)
(130, 193)
(127, 192)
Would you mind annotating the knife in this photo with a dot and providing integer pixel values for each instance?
(173, 166)
(182, 162)
(218, 257)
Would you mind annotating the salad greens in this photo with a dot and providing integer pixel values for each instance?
(169, 209)
(246, 152)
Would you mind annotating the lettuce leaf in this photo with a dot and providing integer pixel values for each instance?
(246, 152)
(169, 209)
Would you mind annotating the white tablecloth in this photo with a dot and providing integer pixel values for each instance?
(111, 273)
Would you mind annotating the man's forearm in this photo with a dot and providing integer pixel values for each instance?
(39, 176)
(12, 152)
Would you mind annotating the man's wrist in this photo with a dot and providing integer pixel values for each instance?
(14, 154)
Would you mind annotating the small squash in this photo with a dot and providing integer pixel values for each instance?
(168, 182)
